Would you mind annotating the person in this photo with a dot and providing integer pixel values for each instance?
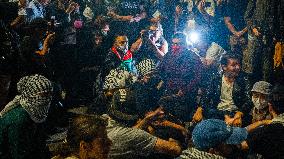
(149, 87)
(128, 17)
(128, 135)
(266, 140)
(86, 139)
(119, 56)
(209, 19)
(213, 139)
(181, 66)
(260, 93)
(21, 135)
(20, 19)
(181, 73)
(265, 27)
(34, 47)
(229, 92)
(151, 45)
(235, 23)
(90, 62)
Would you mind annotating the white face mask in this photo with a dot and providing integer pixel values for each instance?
(259, 103)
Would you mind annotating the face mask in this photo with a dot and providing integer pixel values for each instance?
(122, 48)
(176, 49)
(259, 104)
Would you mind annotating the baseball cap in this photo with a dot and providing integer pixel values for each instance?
(262, 87)
(212, 132)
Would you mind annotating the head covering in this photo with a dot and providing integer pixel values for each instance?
(123, 105)
(118, 78)
(262, 87)
(34, 96)
(146, 66)
(212, 132)
(214, 52)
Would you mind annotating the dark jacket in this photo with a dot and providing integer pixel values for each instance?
(112, 61)
(241, 93)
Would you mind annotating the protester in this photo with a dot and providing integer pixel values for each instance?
(260, 93)
(21, 135)
(86, 139)
(212, 139)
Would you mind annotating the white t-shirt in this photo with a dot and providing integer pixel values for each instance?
(227, 103)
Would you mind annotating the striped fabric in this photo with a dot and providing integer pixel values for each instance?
(118, 78)
(193, 153)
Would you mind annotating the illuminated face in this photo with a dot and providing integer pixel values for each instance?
(105, 29)
(232, 69)
(121, 43)
(157, 33)
(100, 147)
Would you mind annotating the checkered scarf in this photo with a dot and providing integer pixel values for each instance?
(118, 78)
(36, 105)
(146, 66)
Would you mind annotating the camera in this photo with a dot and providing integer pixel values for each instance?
(148, 34)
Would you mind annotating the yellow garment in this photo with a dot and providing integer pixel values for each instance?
(279, 55)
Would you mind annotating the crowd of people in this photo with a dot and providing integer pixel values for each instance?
(183, 79)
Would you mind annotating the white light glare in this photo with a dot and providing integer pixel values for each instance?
(193, 37)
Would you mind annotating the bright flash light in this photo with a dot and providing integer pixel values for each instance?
(192, 37)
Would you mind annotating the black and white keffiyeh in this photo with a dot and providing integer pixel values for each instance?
(146, 66)
(118, 78)
(34, 96)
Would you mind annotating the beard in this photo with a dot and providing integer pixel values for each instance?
(231, 74)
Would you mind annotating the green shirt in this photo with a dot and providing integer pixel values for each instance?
(19, 137)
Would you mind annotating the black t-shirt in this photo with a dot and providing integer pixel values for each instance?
(236, 10)
(268, 141)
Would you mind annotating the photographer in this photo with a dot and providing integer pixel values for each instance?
(151, 45)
